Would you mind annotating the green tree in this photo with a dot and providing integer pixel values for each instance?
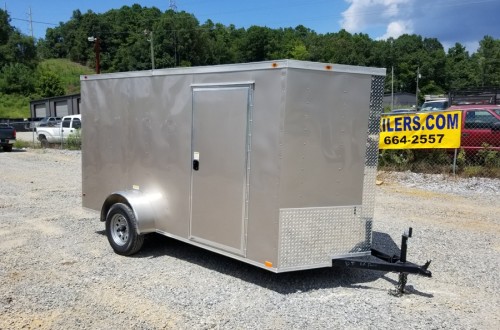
(128, 41)
(412, 55)
(17, 59)
(16, 78)
(220, 43)
(257, 45)
(14, 46)
(49, 84)
(292, 43)
(432, 67)
(181, 40)
(5, 31)
(487, 61)
(343, 48)
(299, 51)
(460, 70)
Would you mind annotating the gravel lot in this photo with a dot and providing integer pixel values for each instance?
(57, 270)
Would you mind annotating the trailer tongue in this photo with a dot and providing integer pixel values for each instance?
(384, 262)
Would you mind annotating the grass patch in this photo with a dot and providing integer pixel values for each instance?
(14, 106)
(471, 171)
(21, 144)
(69, 72)
(74, 141)
(486, 163)
(18, 106)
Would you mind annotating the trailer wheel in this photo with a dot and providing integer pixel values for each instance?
(121, 230)
(7, 148)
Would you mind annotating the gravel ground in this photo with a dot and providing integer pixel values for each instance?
(57, 270)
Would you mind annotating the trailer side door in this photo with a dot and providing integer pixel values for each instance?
(220, 163)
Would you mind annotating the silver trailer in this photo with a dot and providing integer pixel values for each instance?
(270, 163)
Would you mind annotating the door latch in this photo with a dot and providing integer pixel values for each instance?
(196, 161)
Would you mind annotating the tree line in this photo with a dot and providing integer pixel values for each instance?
(179, 39)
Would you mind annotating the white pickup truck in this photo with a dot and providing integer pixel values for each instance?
(60, 132)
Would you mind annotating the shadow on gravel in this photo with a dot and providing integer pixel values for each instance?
(156, 246)
(409, 288)
(383, 242)
(14, 150)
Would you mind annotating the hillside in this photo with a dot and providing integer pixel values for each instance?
(69, 72)
(17, 106)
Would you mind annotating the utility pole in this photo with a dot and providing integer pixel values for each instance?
(31, 24)
(392, 89)
(416, 94)
(173, 6)
(97, 49)
(146, 32)
(152, 52)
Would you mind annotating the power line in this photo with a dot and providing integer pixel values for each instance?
(31, 21)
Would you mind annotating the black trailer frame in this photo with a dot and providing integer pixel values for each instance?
(387, 263)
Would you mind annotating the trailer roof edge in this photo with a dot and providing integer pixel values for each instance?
(267, 65)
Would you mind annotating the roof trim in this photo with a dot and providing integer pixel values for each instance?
(267, 65)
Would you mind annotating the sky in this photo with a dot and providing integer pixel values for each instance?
(450, 21)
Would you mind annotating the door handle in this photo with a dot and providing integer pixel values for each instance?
(196, 161)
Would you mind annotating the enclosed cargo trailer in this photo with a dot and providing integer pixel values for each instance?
(272, 163)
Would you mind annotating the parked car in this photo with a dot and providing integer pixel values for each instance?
(400, 111)
(60, 132)
(7, 137)
(48, 121)
(480, 126)
(434, 105)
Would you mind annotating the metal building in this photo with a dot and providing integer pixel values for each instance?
(57, 106)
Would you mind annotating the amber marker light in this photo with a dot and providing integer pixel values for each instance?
(275, 65)
(268, 264)
(328, 67)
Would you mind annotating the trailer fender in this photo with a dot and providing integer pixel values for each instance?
(140, 205)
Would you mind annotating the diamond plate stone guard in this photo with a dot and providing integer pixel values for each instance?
(312, 236)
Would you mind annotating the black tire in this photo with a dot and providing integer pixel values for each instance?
(121, 230)
(44, 142)
(7, 148)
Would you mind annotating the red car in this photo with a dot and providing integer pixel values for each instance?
(480, 125)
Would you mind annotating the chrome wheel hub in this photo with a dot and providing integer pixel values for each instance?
(119, 229)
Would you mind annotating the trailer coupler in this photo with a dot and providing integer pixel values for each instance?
(386, 263)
